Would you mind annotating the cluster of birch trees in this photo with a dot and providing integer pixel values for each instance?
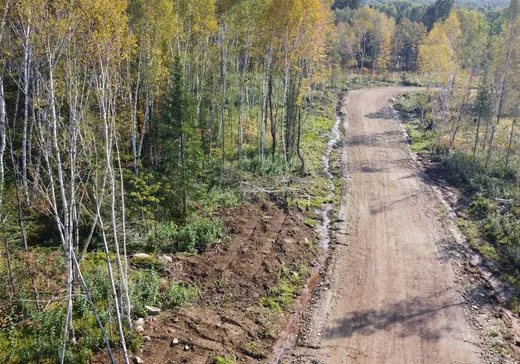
(372, 42)
(472, 65)
(94, 93)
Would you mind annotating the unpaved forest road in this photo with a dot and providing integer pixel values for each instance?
(392, 298)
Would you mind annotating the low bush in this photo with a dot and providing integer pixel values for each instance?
(144, 290)
(147, 263)
(197, 234)
(148, 290)
(177, 295)
(411, 103)
(264, 167)
(481, 207)
(472, 176)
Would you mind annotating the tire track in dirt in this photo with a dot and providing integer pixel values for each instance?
(392, 297)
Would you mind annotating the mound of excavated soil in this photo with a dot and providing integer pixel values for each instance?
(230, 278)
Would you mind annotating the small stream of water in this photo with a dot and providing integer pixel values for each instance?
(324, 212)
(323, 231)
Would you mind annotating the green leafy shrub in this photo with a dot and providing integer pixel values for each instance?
(264, 167)
(411, 103)
(197, 234)
(147, 262)
(481, 207)
(474, 177)
(218, 197)
(144, 291)
(495, 228)
(152, 238)
(133, 340)
(512, 254)
(177, 295)
(147, 289)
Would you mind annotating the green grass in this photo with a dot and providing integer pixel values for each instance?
(289, 283)
(223, 360)
(256, 350)
(421, 140)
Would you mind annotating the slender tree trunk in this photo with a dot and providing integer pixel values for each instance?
(245, 67)
(477, 135)
(126, 295)
(26, 83)
(2, 115)
(284, 99)
(265, 93)
(273, 120)
(2, 142)
(461, 110)
(133, 96)
(510, 143)
(502, 92)
(224, 59)
(94, 311)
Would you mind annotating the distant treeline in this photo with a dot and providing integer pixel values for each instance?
(472, 4)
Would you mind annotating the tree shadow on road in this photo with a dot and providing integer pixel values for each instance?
(387, 113)
(372, 140)
(406, 318)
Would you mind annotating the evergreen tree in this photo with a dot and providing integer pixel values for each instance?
(342, 4)
(513, 10)
(440, 10)
(182, 150)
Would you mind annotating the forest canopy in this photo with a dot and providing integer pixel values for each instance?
(125, 124)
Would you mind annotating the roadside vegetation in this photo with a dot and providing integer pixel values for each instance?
(490, 205)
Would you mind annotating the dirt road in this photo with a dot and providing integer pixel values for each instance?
(392, 296)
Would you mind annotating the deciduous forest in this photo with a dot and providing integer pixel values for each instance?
(135, 134)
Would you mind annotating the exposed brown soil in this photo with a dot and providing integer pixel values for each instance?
(400, 290)
(231, 278)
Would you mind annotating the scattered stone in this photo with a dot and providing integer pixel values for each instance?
(174, 342)
(186, 348)
(474, 307)
(170, 330)
(138, 360)
(147, 339)
(142, 256)
(165, 259)
(153, 311)
(139, 324)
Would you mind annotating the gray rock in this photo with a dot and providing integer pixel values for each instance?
(174, 342)
(139, 324)
(138, 360)
(142, 256)
(147, 339)
(153, 311)
(165, 259)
